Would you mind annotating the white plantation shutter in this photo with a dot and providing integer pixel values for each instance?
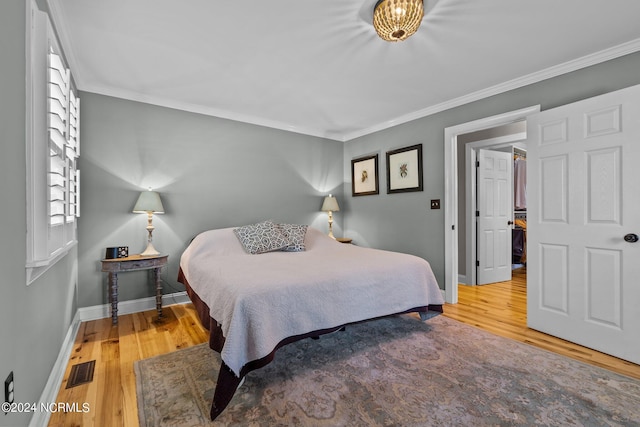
(58, 94)
(72, 153)
(58, 115)
(53, 149)
(74, 122)
(76, 193)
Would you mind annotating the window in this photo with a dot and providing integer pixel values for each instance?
(53, 148)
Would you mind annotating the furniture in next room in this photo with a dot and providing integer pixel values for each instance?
(519, 233)
(519, 238)
(253, 304)
(133, 263)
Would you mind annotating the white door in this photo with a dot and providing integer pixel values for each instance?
(494, 216)
(583, 280)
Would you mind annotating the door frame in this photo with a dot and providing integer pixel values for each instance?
(471, 237)
(451, 189)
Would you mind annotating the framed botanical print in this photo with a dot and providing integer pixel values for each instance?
(404, 169)
(364, 176)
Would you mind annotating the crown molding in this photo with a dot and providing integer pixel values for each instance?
(557, 70)
(56, 8)
(205, 110)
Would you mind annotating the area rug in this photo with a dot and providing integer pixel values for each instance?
(394, 371)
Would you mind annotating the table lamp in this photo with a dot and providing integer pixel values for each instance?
(330, 205)
(149, 202)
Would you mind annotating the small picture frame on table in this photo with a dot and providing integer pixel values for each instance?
(404, 169)
(364, 176)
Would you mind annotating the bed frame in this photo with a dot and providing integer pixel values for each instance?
(228, 382)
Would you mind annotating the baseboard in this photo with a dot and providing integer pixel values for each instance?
(462, 278)
(50, 392)
(51, 388)
(128, 307)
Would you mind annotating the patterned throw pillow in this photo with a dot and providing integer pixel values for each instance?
(262, 237)
(295, 233)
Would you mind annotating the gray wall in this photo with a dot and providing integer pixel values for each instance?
(401, 222)
(404, 222)
(210, 173)
(34, 319)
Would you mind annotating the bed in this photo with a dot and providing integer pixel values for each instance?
(254, 300)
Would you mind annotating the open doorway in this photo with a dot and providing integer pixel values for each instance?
(492, 203)
(453, 157)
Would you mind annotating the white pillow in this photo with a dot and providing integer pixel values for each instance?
(261, 237)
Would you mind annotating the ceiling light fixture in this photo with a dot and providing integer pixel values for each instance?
(395, 20)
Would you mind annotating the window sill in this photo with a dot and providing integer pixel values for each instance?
(35, 269)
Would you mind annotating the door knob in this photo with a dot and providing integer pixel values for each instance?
(631, 238)
(509, 222)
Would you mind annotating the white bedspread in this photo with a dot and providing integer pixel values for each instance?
(261, 299)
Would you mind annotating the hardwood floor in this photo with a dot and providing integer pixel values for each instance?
(498, 308)
(112, 393)
(501, 308)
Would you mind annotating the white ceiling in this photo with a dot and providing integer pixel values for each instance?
(318, 67)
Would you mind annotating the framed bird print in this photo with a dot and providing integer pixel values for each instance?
(404, 169)
(364, 176)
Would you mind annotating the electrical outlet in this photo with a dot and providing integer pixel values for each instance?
(435, 203)
(8, 389)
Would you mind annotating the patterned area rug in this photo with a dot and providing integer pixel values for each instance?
(394, 371)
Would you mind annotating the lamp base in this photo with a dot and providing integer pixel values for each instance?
(331, 225)
(150, 251)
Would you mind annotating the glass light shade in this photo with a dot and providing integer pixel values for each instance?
(330, 204)
(149, 201)
(395, 20)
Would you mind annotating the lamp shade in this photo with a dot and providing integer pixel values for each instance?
(330, 204)
(149, 201)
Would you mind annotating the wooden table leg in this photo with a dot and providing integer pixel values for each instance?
(113, 287)
(156, 274)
